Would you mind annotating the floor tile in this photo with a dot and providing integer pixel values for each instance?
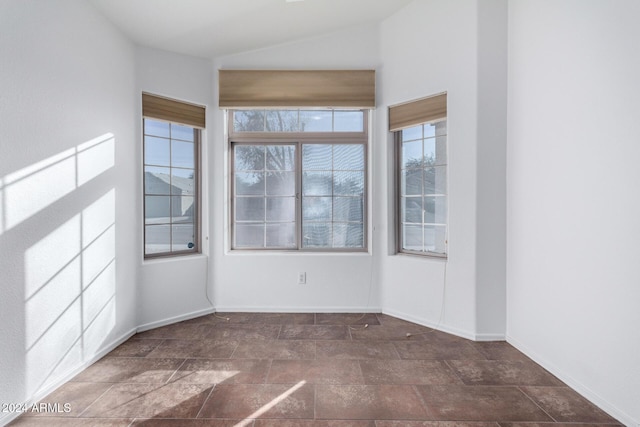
(346, 319)
(355, 350)
(313, 332)
(499, 350)
(70, 422)
(566, 405)
(186, 422)
(315, 372)
(275, 350)
(426, 350)
(218, 371)
(378, 402)
(135, 348)
(524, 424)
(260, 401)
(222, 318)
(78, 395)
(285, 318)
(480, 403)
(407, 372)
(130, 369)
(435, 424)
(182, 330)
(502, 372)
(240, 331)
(314, 423)
(386, 332)
(150, 400)
(203, 348)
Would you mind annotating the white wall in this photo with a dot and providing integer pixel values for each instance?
(427, 48)
(573, 200)
(68, 192)
(175, 288)
(245, 280)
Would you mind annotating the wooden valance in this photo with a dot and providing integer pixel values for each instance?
(157, 107)
(296, 88)
(413, 113)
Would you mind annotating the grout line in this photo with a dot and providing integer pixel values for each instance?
(266, 377)
(535, 403)
(204, 402)
(176, 371)
(96, 399)
(455, 372)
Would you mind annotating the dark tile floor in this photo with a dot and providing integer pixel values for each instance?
(314, 370)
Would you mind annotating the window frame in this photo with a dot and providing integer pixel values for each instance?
(197, 194)
(298, 139)
(397, 141)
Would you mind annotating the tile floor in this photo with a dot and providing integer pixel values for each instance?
(313, 370)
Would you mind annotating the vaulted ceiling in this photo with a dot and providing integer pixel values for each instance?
(211, 28)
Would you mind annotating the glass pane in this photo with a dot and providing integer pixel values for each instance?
(281, 209)
(183, 182)
(156, 151)
(435, 208)
(156, 180)
(348, 183)
(435, 180)
(249, 236)
(157, 209)
(348, 236)
(441, 150)
(412, 154)
(315, 121)
(157, 239)
(412, 237)
(281, 183)
(411, 209)
(412, 133)
(348, 209)
(156, 128)
(317, 183)
(250, 183)
(249, 157)
(411, 182)
(316, 208)
(434, 238)
(249, 209)
(184, 133)
(316, 235)
(348, 157)
(182, 208)
(316, 157)
(348, 121)
(281, 157)
(281, 235)
(282, 121)
(248, 121)
(182, 154)
(429, 130)
(182, 238)
(430, 152)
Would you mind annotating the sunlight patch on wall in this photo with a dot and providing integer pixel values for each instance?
(28, 191)
(70, 274)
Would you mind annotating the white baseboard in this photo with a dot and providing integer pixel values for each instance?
(425, 322)
(576, 385)
(175, 319)
(296, 309)
(41, 394)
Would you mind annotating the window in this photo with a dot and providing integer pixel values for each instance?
(298, 179)
(422, 173)
(171, 191)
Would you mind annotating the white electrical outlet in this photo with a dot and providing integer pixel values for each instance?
(302, 278)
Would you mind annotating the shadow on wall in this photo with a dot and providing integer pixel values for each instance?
(57, 237)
